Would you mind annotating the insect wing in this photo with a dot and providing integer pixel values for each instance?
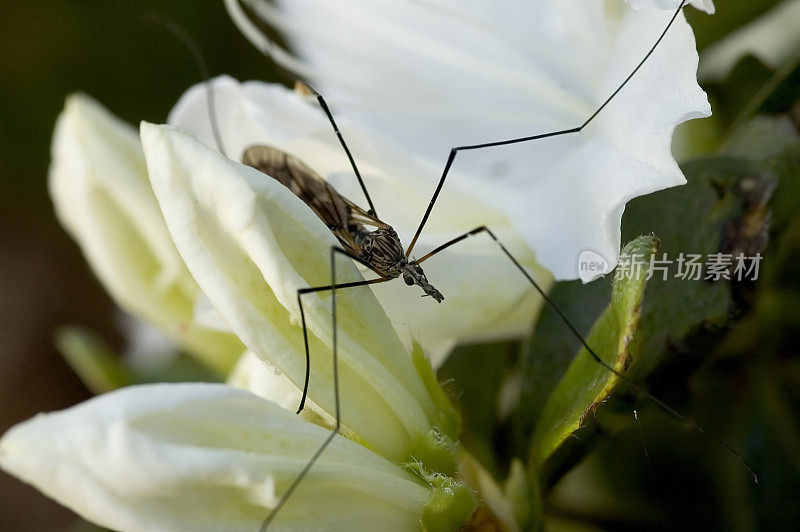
(338, 213)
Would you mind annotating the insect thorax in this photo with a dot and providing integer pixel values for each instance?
(381, 249)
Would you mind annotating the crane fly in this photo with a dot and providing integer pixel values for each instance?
(368, 240)
(378, 248)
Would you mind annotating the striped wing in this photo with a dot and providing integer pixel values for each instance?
(341, 215)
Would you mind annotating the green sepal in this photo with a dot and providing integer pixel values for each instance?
(437, 449)
(451, 502)
(615, 339)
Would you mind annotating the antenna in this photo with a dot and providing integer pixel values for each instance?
(150, 17)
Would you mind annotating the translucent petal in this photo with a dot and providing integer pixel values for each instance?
(703, 5)
(174, 457)
(254, 375)
(98, 183)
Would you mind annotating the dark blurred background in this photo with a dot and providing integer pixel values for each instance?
(138, 71)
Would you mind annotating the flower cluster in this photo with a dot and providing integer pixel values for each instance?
(213, 252)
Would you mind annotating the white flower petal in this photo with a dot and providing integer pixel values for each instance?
(256, 376)
(626, 152)
(206, 315)
(772, 37)
(446, 73)
(703, 5)
(146, 346)
(205, 457)
(477, 305)
(261, 113)
(98, 183)
(251, 243)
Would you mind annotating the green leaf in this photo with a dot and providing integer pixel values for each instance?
(770, 326)
(787, 170)
(551, 348)
(754, 88)
(745, 390)
(475, 394)
(102, 370)
(615, 339)
(689, 220)
(762, 138)
(748, 394)
(731, 95)
(730, 16)
(95, 363)
(692, 218)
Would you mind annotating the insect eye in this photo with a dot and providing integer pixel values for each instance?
(418, 270)
(408, 280)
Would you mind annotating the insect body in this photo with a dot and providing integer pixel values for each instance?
(379, 248)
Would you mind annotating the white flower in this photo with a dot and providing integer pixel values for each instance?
(485, 296)
(209, 457)
(442, 73)
(250, 244)
(101, 195)
(253, 374)
(176, 457)
(704, 5)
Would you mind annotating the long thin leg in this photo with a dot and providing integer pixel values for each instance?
(310, 290)
(181, 34)
(638, 389)
(333, 287)
(451, 158)
(328, 113)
